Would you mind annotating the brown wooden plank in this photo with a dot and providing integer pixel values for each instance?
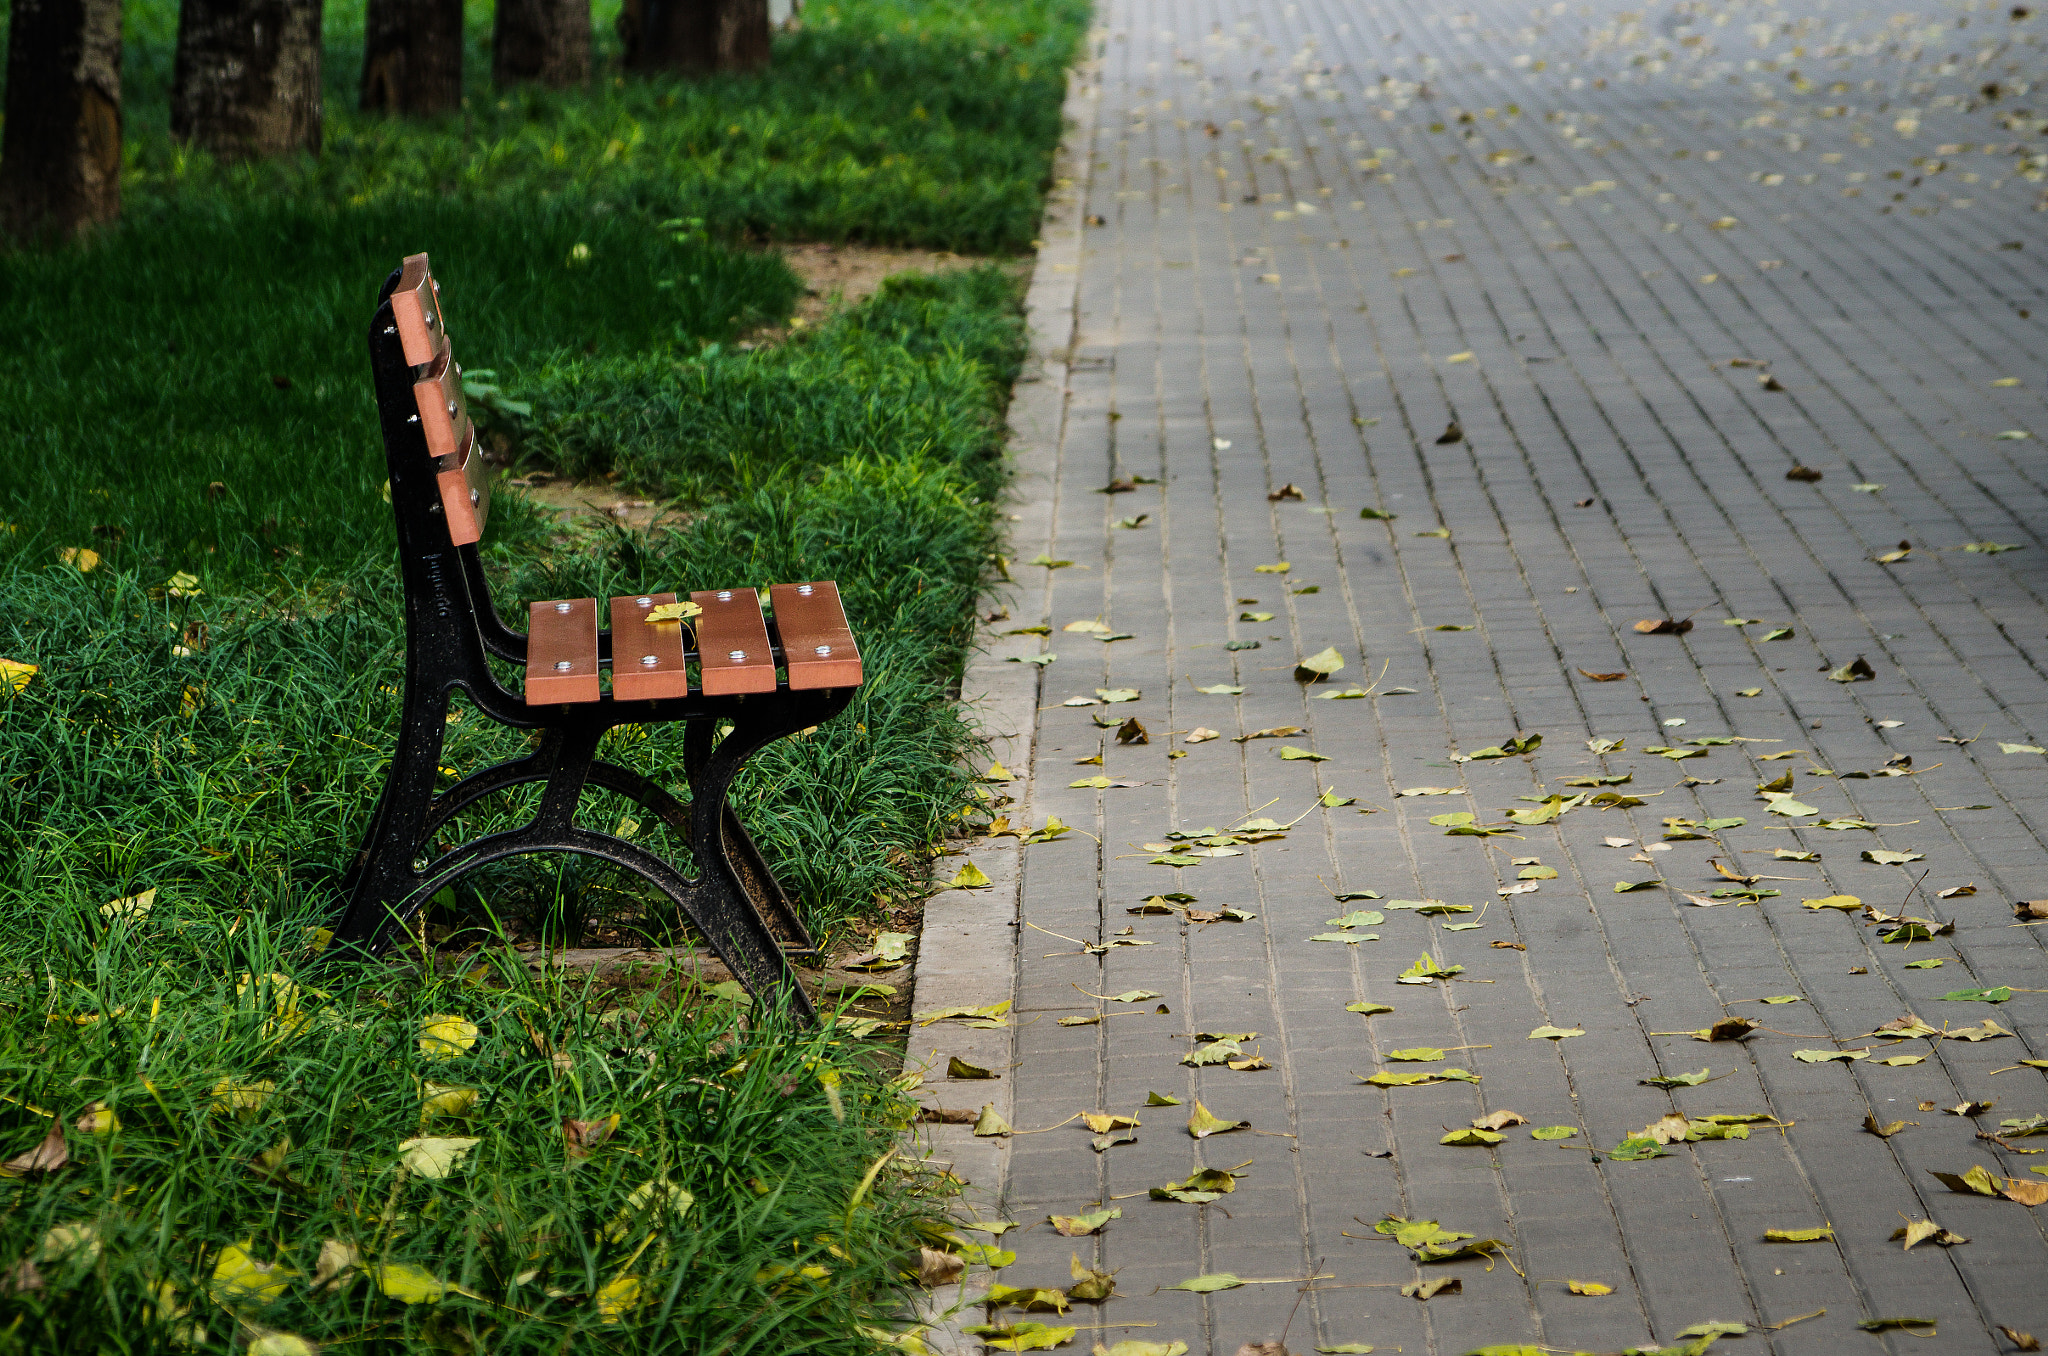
(561, 652)
(647, 657)
(817, 644)
(443, 413)
(732, 643)
(465, 481)
(416, 306)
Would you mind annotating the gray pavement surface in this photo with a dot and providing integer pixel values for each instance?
(1565, 291)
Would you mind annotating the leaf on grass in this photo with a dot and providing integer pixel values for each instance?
(446, 1036)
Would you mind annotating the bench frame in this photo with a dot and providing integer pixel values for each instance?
(452, 632)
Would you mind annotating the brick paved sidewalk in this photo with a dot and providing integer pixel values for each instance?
(1489, 271)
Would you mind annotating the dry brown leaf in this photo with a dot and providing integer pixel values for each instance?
(1604, 677)
(1668, 1129)
(935, 1268)
(2026, 1193)
(1664, 626)
(48, 1156)
(1499, 1120)
(2025, 1341)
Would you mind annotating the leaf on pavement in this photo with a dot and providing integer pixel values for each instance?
(1080, 1226)
(1441, 1285)
(1203, 1123)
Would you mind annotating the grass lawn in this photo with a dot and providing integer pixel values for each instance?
(460, 1155)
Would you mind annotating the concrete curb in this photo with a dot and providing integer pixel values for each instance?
(967, 953)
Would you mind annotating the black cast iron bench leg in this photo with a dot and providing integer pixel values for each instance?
(390, 891)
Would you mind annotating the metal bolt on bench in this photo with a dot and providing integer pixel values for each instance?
(765, 677)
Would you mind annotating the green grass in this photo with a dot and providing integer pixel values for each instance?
(881, 120)
(188, 392)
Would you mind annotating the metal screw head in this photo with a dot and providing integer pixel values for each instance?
(475, 497)
(563, 665)
(643, 602)
(562, 607)
(823, 650)
(725, 595)
(451, 407)
(648, 661)
(735, 654)
(804, 589)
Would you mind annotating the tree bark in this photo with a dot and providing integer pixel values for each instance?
(60, 155)
(694, 37)
(546, 41)
(247, 77)
(412, 57)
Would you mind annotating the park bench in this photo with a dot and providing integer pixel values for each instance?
(727, 670)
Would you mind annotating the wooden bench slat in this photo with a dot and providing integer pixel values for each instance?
(636, 640)
(466, 491)
(416, 306)
(817, 644)
(732, 643)
(561, 652)
(444, 414)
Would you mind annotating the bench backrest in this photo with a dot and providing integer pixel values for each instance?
(444, 420)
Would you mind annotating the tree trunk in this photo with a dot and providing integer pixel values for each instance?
(694, 37)
(60, 155)
(412, 57)
(247, 78)
(547, 41)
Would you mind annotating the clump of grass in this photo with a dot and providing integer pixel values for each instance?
(224, 748)
(145, 417)
(923, 368)
(928, 123)
(474, 1160)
